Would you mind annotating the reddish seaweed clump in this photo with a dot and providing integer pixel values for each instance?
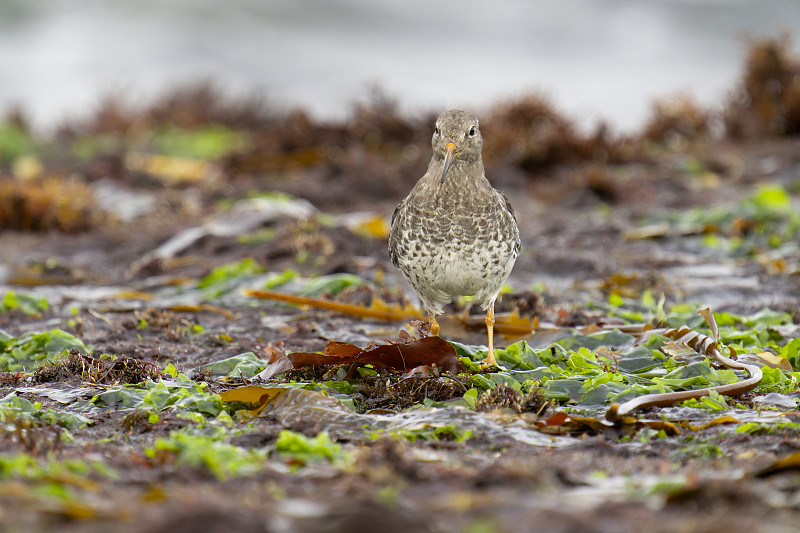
(767, 101)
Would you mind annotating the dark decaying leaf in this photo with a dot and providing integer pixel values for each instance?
(427, 351)
(403, 357)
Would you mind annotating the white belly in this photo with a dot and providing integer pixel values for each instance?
(459, 277)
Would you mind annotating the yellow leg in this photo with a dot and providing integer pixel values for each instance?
(489, 361)
(434, 326)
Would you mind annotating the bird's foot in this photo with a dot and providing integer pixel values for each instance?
(434, 326)
(488, 362)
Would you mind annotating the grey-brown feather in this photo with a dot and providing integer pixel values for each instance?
(458, 237)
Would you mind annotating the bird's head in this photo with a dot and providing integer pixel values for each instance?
(456, 138)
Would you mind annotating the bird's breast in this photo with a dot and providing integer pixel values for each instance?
(455, 245)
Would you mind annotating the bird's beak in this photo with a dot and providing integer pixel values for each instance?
(449, 156)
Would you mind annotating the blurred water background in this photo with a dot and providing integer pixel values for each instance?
(595, 59)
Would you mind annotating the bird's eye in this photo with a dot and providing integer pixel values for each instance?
(472, 131)
(436, 130)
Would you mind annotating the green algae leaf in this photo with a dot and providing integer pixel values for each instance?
(697, 375)
(13, 407)
(611, 339)
(64, 419)
(224, 273)
(471, 397)
(228, 277)
(713, 402)
(771, 197)
(209, 142)
(503, 378)
(276, 279)
(32, 349)
(520, 356)
(590, 371)
(15, 142)
(52, 469)
(119, 398)
(482, 382)
(700, 368)
(25, 303)
(245, 365)
(469, 350)
(563, 390)
(641, 359)
(89, 147)
(182, 395)
(303, 450)
(159, 397)
(777, 380)
(290, 282)
(792, 352)
(763, 219)
(599, 394)
(223, 460)
(170, 371)
(450, 433)
(331, 284)
(204, 404)
(340, 386)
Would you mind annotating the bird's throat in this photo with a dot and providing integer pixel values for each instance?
(463, 173)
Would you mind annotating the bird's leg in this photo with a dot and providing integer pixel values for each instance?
(434, 325)
(489, 361)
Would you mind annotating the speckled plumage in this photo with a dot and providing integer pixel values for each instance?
(455, 235)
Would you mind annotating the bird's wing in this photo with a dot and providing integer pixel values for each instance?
(507, 203)
(393, 237)
(510, 209)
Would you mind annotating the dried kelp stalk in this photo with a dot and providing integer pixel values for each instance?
(702, 344)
